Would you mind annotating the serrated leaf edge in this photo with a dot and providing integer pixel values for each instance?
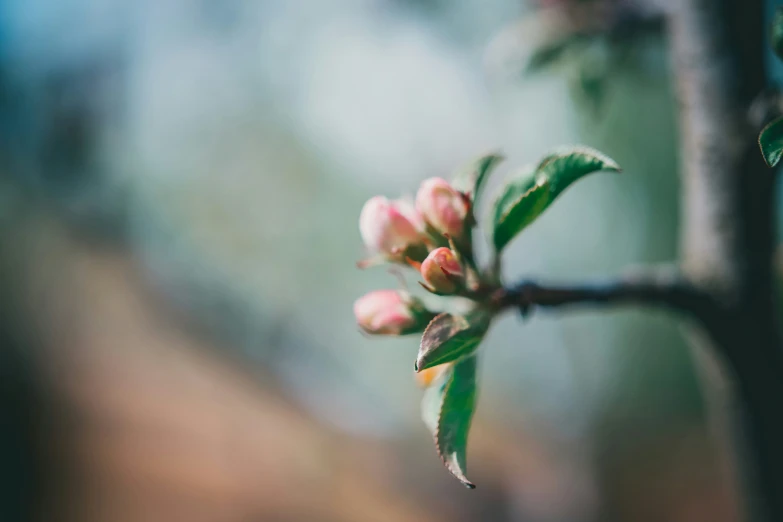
(437, 362)
(607, 164)
(416, 366)
(424, 333)
(566, 150)
(454, 470)
(539, 184)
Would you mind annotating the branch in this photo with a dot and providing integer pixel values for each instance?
(651, 289)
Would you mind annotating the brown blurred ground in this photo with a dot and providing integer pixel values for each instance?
(144, 419)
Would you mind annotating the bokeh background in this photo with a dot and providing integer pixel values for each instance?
(179, 193)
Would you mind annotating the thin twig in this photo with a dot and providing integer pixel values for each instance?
(654, 289)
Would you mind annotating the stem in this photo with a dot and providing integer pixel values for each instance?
(758, 372)
(675, 294)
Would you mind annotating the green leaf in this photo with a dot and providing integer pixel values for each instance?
(526, 196)
(471, 177)
(451, 337)
(776, 35)
(565, 166)
(771, 142)
(522, 199)
(447, 410)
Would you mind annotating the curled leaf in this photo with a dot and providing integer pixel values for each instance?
(526, 196)
(771, 142)
(451, 337)
(564, 166)
(447, 410)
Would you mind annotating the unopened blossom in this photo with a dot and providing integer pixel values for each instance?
(407, 207)
(385, 312)
(441, 270)
(442, 206)
(389, 227)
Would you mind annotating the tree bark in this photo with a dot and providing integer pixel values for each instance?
(728, 205)
(728, 232)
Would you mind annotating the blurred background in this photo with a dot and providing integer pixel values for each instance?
(180, 185)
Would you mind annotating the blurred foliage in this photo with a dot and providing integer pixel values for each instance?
(221, 153)
(776, 32)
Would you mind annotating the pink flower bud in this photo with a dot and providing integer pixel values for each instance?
(441, 270)
(385, 312)
(407, 208)
(442, 206)
(388, 226)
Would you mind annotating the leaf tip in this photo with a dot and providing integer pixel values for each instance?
(496, 156)
(770, 158)
(771, 161)
(421, 364)
(771, 142)
(607, 163)
(457, 470)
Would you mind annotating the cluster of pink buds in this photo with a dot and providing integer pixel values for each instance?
(424, 236)
(434, 237)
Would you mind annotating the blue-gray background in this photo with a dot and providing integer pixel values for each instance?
(180, 191)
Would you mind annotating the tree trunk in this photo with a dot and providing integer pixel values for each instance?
(728, 212)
